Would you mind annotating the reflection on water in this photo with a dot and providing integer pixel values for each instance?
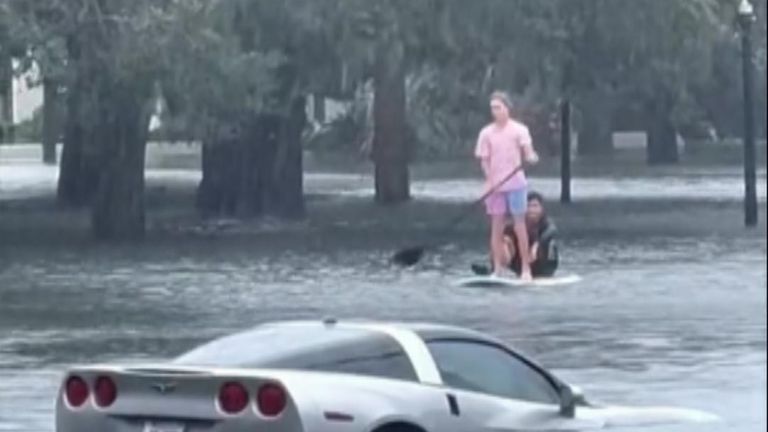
(649, 325)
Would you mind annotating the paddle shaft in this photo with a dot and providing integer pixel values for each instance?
(411, 256)
(470, 209)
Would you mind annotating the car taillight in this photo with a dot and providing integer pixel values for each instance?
(76, 391)
(233, 398)
(271, 400)
(105, 392)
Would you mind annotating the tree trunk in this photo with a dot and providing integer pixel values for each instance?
(217, 193)
(286, 186)
(118, 211)
(256, 168)
(235, 163)
(596, 131)
(390, 150)
(78, 173)
(662, 135)
(50, 121)
(6, 100)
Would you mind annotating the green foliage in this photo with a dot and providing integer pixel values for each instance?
(31, 130)
(213, 79)
(217, 60)
(241, 58)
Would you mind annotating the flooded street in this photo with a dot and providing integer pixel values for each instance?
(657, 320)
(646, 326)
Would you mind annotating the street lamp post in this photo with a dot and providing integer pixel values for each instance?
(565, 151)
(746, 18)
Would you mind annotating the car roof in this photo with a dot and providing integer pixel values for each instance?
(431, 331)
(273, 341)
(425, 330)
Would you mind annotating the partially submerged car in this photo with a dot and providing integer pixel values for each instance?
(340, 377)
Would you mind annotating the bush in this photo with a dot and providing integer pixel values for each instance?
(31, 130)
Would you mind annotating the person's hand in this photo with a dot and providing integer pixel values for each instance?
(535, 252)
(533, 158)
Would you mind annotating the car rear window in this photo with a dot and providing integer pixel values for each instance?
(378, 356)
(339, 350)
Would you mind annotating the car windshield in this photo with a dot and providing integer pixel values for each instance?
(485, 368)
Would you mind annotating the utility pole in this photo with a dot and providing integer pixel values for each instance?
(746, 18)
(565, 151)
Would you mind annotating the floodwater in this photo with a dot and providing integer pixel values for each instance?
(656, 320)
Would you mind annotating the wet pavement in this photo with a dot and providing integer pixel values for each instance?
(656, 320)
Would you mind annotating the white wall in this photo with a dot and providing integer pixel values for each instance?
(25, 99)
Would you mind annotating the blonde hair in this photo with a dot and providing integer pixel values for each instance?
(502, 97)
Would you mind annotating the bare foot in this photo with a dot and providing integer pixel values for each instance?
(526, 277)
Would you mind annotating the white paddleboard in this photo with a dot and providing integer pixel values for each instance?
(503, 282)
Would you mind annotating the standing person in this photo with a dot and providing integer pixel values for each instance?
(502, 147)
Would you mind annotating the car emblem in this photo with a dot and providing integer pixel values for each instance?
(164, 388)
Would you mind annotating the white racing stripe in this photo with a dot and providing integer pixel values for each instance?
(414, 348)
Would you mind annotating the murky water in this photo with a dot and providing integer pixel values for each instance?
(663, 322)
(656, 321)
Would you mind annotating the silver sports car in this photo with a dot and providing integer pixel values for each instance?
(340, 377)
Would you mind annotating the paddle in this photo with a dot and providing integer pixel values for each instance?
(409, 257)
(481, 270)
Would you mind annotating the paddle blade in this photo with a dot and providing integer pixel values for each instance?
(481, 270)
(408, 257)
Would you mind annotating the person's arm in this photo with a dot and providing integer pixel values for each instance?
(485, 163)
(526, 146)
(548, 232)
(534, 254)
(547, 238)
(483, 154)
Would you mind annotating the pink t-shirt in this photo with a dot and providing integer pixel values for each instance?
(502, 149)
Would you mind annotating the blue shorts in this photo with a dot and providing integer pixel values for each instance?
(514, 202)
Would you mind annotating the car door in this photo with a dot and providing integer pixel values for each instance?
(498, 391)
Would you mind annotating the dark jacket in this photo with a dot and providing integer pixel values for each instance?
(545, 233)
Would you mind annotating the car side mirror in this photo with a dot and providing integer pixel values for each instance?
(570, 398)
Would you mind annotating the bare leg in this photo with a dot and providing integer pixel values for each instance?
(511, 249)
(499, 255)
(521, 232)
